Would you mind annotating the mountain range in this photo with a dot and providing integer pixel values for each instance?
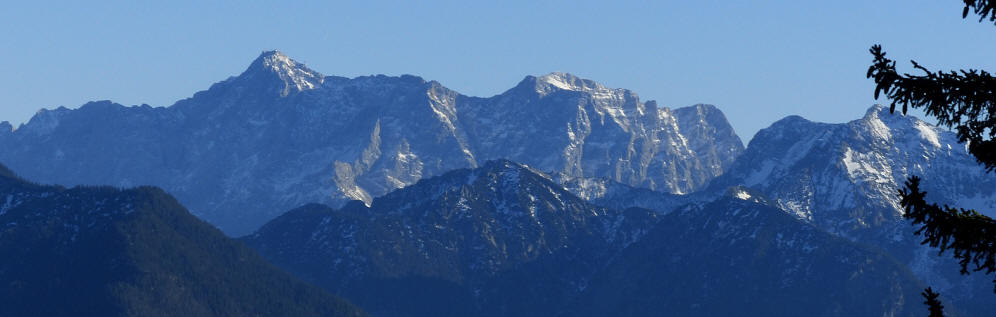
(281, 135)
(559, 196)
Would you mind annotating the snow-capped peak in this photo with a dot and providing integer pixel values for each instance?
(877, 122)
(560, 80)
(821, 171)
(909, 129)
(295, 76)
(565, 81)
(874, 110)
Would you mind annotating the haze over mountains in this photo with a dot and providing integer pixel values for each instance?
(558, 196)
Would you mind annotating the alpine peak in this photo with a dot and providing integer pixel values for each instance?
(295, 76)
(874, 109)
(881, 112)
(565, 81)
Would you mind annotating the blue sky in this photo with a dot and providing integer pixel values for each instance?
(758, 61)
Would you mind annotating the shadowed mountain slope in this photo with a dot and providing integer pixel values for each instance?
(734, 257)
(101, 251)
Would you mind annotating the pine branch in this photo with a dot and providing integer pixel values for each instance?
(964, 100)
(970, 236)
(985, 9)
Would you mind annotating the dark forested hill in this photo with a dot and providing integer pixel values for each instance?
(101, 251)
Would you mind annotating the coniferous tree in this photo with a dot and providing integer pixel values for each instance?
(966, 101)
(933, 304)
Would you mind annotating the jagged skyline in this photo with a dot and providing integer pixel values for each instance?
(758, 62)
(362, 137)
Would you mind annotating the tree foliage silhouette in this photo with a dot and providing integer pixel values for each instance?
(985, 9)
(933, 304)
(966, 101)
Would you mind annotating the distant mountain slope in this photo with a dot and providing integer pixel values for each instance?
(281, 135)
(100, 251)
(507, 241)
(844, 178)
(498, 240)
(734, 257)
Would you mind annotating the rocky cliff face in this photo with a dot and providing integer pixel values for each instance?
(281, 135)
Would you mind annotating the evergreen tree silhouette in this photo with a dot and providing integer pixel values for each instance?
(966, 101)
(933, 304)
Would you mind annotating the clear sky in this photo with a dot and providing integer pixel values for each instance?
(758, 61)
